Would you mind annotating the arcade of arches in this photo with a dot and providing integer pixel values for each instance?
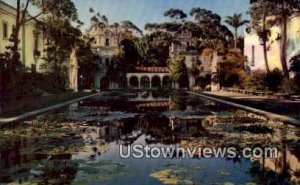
(145, 81)
(149, 77)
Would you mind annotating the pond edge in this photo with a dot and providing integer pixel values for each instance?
(270, 115)
(44, 110)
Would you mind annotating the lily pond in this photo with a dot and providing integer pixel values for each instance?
(79, 144)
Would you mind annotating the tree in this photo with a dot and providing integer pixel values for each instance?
(176, 14)
(43, 8)
(58, 27)
(284, 9)
(153, 49)
(97, 19)
(129, 25)
(295, 68)
(231, 70)
(87, 67)
(259, 12)
(236, 21)
(179, 71)
(212, 33)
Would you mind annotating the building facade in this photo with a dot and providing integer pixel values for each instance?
(254, 50)
(31, 46)
(106, 43)
(197, 64)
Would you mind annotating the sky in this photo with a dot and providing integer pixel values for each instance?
(141, 12)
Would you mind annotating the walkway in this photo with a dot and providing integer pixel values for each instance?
(268, 103)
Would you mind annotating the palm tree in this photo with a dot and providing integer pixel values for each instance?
(236, 21)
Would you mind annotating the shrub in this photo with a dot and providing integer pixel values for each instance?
(203, 81)
(274, 80)
(289, 86)
(255, 81)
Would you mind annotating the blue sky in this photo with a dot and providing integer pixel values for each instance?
(141, 12)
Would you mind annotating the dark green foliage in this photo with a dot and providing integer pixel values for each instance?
(87, 69)
(203, 81)
(175, 14)
(231, 71)
(274, 79)
(129, 25)
(295, 68)
(255, 81)
(236, 21)
(179, 71)
(255, 129)
(289, 86)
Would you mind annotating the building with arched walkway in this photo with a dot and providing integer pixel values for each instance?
(149, 77)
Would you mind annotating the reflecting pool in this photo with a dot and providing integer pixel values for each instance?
(79, 144)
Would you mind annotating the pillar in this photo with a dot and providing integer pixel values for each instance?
(139, 84)
(128, 81)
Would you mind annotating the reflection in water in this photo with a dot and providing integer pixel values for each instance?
(79, 145)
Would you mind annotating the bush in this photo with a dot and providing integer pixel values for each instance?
(274, 80)
(203, 81)
(255, 81)
(289, 86)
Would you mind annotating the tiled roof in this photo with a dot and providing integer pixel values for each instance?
(149, 70)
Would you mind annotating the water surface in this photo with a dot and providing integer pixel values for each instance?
(79, 144)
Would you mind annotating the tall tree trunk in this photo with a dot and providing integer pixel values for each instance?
(235, 37)
(283, 46)
(265, 44)
(14, 50)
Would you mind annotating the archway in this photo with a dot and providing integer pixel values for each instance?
(167, 82)
(134, 81)
(156, 82)
(145, 82)
(104, 83)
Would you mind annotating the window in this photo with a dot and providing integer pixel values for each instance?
(106, 42)
(253, 56)
(36, 40)
(188, 44)
(5, 30)
(201, 69)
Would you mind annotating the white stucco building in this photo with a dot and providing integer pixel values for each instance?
(31, 46)
(253, 48)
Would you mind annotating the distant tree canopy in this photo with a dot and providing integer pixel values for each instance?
(176, 14)
(207, 28)
(129, 25)
(236, 22)
(149, 50)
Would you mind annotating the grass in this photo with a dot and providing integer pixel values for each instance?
(34, 103)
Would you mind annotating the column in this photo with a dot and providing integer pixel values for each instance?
(139, 84)
(161, 80)
(150, 79)
(127, 81)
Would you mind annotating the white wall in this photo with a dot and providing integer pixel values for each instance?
(293, 46)
(26, 36)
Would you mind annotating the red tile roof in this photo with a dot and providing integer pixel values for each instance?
(149, 70)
